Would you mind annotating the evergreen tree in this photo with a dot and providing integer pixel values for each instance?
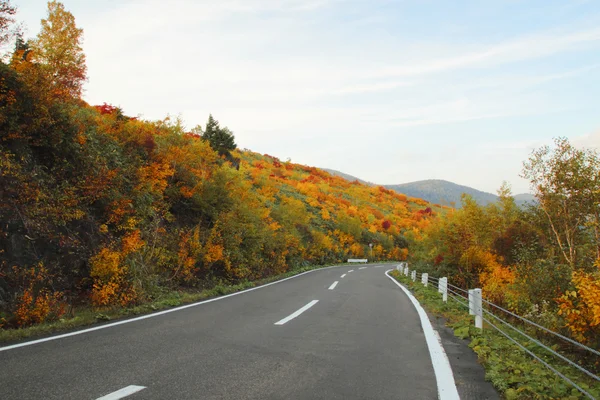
(220, 139)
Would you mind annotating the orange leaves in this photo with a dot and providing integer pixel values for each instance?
(186, 191)
(357, 250)
(106, 268)
(581, 307)
(214, 249)
(496, 281)
(188, 254)
(153, 177)
(132, 242)
(119, 209)
(214, 252)
(37, 303)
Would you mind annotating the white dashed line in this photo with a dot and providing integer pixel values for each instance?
(294, 315)
(156, 314)
(343, 276)
(351, 270)
(362, 267)
(333, 285)
(119, 394)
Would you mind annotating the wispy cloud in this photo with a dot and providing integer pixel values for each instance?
(590, 141)
(523, 48)
(317, 79)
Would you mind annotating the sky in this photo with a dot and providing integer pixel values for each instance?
(390, 91)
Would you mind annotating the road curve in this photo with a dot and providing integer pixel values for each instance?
(303, 338)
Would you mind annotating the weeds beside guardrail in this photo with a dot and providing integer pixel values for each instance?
(505, 350)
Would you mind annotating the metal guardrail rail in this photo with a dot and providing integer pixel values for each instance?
(472, 300)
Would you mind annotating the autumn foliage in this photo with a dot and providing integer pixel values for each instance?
(100, 209)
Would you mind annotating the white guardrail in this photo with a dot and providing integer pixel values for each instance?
(473, 300)
(358, 260)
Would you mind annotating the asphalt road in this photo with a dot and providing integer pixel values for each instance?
(360, 339)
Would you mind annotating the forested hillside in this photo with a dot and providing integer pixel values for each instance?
(542, 261)
(102, 209)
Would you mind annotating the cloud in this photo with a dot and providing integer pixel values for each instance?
(590, 141)
(332, 80)
(523, 48)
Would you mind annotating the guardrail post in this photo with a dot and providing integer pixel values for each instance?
(425, 278)
(399, 267)
(440, 284)
(414, 276)
(444, 282)
(471, 304)
(406, 271)
(477, 308)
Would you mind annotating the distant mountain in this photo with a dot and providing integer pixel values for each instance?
(346, 176)
(438, 191)
(524, 198)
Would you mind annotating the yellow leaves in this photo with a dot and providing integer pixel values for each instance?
(153, 177)
(352, 211)
(325, 214)
(105, 264)
(58, 49)
(274, 226)
(106, 267)
(214, 252)
(312, 202)
(581, 307)
(357, 250)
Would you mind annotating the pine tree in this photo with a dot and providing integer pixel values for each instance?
(220, 139)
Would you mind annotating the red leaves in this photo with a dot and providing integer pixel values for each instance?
(106, 109)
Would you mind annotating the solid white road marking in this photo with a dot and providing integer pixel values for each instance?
(295, 314)
(119, 394)
(333, 285)
(156, 314)
(362, 267)
(441, 365)
(343, 275)
(351, 270)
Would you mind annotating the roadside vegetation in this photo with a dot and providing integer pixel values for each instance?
(512, 371)
(541, 261)
(105, 214)
(102, 211)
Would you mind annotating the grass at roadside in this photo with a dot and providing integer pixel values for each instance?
(86, 316)
(514, 373)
